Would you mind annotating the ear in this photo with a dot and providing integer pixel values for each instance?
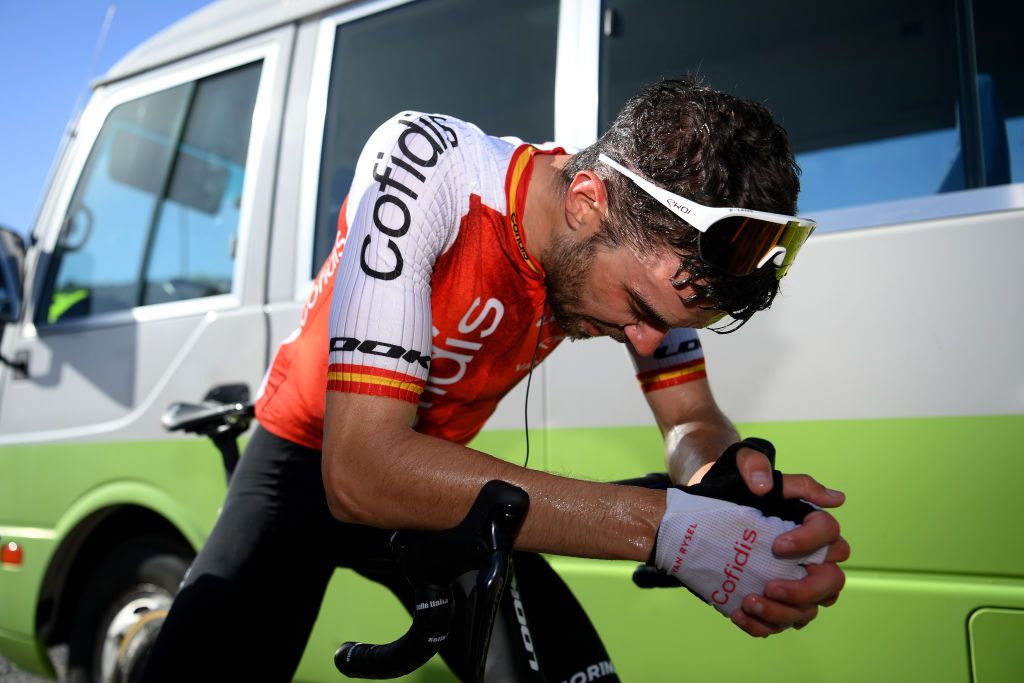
(586, 203)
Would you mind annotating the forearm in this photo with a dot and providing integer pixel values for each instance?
(408, 480)
(692, 446)
(696, 431)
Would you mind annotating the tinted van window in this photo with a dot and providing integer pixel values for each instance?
(485, 61)
(155, 215)
(1000, 51)
(868, 91)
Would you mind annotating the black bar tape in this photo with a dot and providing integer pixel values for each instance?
(651, 559)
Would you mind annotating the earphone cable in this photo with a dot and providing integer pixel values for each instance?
(529, 380)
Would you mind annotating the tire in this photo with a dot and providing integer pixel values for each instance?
(121, 608)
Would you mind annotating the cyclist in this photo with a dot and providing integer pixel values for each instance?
(461, 261)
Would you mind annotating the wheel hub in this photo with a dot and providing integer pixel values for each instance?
(127, 626)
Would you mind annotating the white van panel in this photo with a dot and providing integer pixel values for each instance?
(926, 318)
(111, 375)
(119, 385)
(215, 25)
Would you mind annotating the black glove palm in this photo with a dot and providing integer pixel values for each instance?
(724, 482)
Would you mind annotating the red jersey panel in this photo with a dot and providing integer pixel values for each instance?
(434, 296)
(437, 300)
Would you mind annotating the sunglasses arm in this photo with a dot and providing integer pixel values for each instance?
(777, 256)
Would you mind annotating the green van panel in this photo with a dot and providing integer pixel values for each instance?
(997, 645)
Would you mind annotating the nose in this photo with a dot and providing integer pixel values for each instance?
(644, 337)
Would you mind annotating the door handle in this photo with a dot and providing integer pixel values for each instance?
(19, 365)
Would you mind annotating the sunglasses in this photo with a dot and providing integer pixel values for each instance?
(737, 241)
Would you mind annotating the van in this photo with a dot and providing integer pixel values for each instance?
(198, 193)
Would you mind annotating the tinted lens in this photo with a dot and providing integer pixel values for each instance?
(792, 239)
(737, 243)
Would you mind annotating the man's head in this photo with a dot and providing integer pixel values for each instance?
(710, 147)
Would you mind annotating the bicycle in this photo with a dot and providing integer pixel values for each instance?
(461, 578)
(433, 562)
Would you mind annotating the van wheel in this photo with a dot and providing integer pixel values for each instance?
(123, 604)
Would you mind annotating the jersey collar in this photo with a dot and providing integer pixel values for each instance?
(517, 182)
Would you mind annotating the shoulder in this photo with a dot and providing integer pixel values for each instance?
(415, 154)
(424, 139)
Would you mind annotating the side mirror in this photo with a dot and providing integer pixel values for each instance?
(12, 266)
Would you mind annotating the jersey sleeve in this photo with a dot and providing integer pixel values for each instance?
(402, 215)
(678, 359)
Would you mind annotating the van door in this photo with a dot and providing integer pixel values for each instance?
(148, 283)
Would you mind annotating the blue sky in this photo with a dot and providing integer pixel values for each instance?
(46, 47)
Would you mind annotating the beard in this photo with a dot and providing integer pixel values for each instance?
(567, 265)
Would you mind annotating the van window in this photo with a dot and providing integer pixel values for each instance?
(486, 61)
(868, 91)
(997, 26)
(154, 218)
(6, 300)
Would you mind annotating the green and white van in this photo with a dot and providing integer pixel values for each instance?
(198, 194)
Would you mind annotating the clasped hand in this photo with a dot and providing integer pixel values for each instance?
(794, 603)
(754, 543)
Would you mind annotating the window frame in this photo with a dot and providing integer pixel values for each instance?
(575, 112)
(578, 72)
(577, 96)
(264, 49)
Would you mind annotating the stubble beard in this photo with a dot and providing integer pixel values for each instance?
(567, 264)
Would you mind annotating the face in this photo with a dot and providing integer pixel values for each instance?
(596, 291)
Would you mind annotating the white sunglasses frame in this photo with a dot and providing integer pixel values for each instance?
(702, 217)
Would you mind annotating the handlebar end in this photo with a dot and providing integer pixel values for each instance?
(646, 576)
(343, 658)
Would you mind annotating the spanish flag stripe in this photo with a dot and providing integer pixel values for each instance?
(677, 376)
(643, 376)
(672, 381)
(523, 156)
(373, 389)
(377, 372)
(358, 378)
(671, 374)
(515, 193)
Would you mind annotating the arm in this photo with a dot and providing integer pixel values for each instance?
(674, 382)
(380, 472)
(405, 209)
(696, 432)
(694, 428)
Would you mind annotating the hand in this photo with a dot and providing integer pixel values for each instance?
(724, 550)
(795, 603)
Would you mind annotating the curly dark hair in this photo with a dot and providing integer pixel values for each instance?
(714, 148)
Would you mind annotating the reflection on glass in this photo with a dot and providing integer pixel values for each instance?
(867, 91)
(194, 246)
(1015, 135)
(489, 62)
(878, 171)
(155, 215)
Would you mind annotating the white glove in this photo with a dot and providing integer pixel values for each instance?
(723, 551)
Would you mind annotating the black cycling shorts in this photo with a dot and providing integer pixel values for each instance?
(249, 601)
